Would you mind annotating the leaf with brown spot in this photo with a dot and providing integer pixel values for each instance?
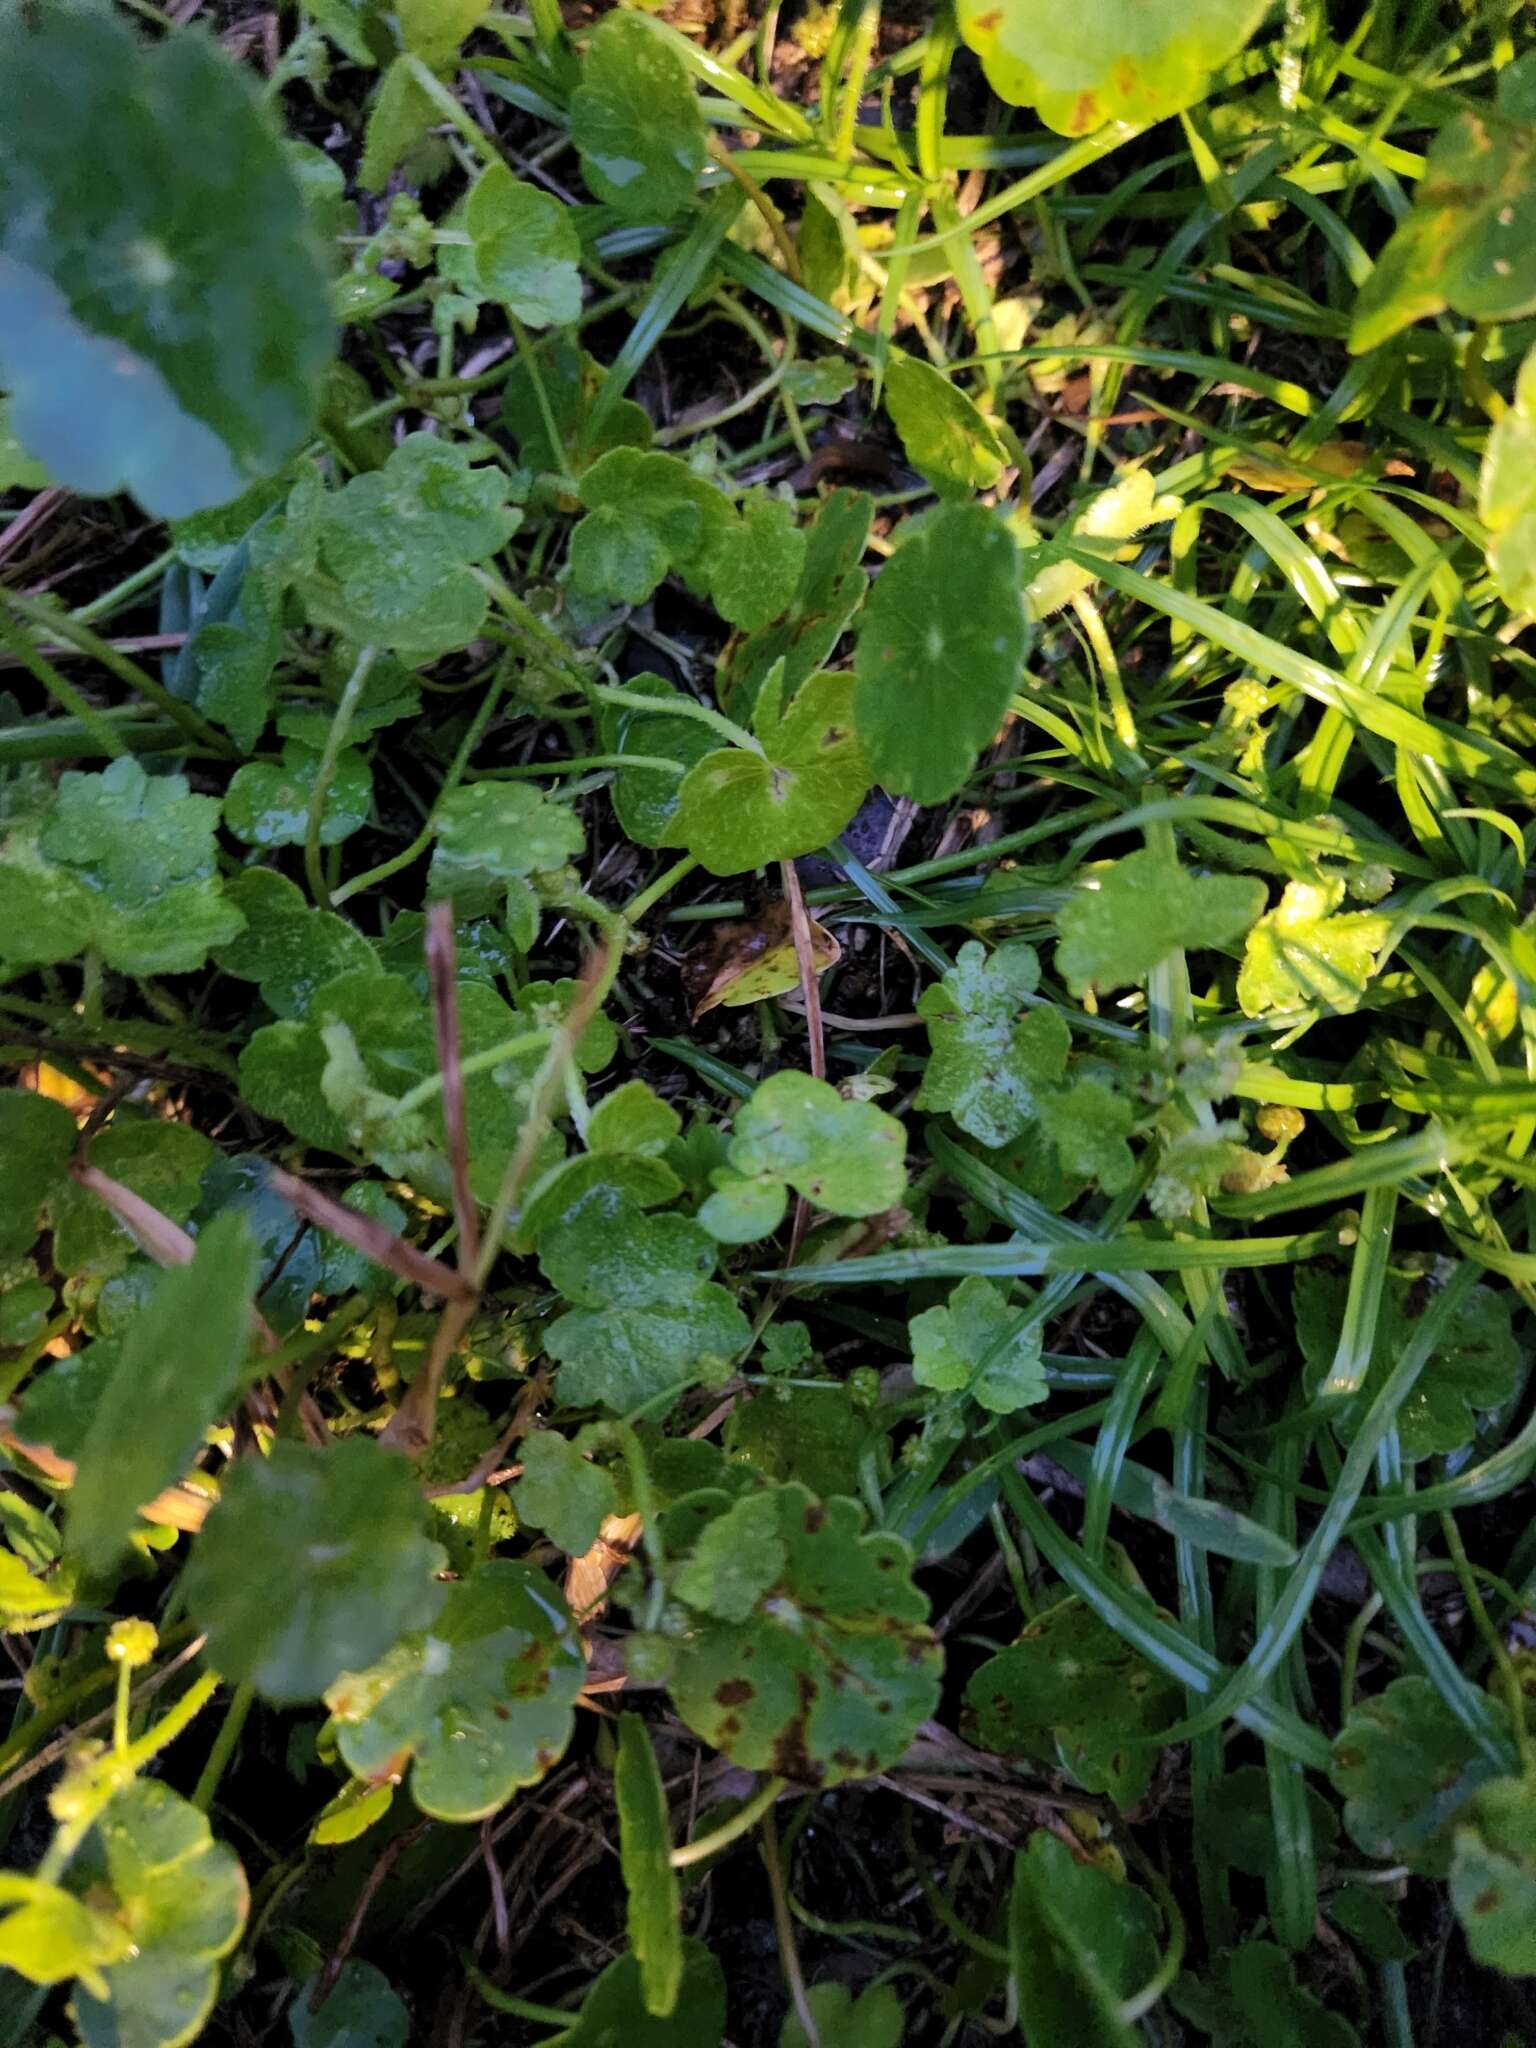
(843, 1665)
(483, 1700)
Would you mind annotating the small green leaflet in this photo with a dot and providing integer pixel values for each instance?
(1082, 1943)
(635, 121)
(155, 264)
(289, 949)
(269, 802)
(738, 810)
(178, 1371)
(875, 2019)
(989, 1066)
(633, 1120)
(523, 250)
(1249, 1998)
(849, 1158)
(1506, 497)
(483, 1700)
(1405, 1768)
(152, 1864)
(124, 863)
(387, 560)
(36, 1139)
(1493, 1875)
(1070, 1687)
(490, 834)
(163, 1162)
(1105, 60)
(1089, 1122)
(346, 1566)
(1123, 922)
(948, 439)
(646, 513)
(941, 647)
(561, 1493)
(828, 1672)
(647, 1315)
(1307, 954)
(650, 1882)
(645, 800)
(831, 589)
(1470, 241)
(1475, 1368)
(360, 2011)
(977, 1344)
(756, 562)
(614, 2010)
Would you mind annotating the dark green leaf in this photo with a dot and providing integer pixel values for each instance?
(360, 2011)
(636, 123)
(178, 1371)
(1081, 1941)
(155, 264)
(1405, 1767)
(941, 646)
(346, 1567)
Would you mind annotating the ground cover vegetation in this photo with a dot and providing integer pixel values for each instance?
(766, 1250)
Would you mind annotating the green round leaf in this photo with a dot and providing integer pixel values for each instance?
(1105, 60)
(826, 1666)
(362, 2010)
(1493, 1876)
(740, 810)
(483, 1701)
(976, 1344)
(1123, 922)
(268, 805)
(1406, 1767)
(1470, 240)
(847, 1157)
(524, 253)
(941, 646)
(1071, 1687)
(992, 1061)
(182, 1897)
(635, 121)
(163, 317)
(345, 1566)
(289, 948)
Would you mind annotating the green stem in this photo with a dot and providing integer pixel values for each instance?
(678, 707)
(223, 1746)
(475, 1063)
(745, 1818)
(653, 892)
(325, 775)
